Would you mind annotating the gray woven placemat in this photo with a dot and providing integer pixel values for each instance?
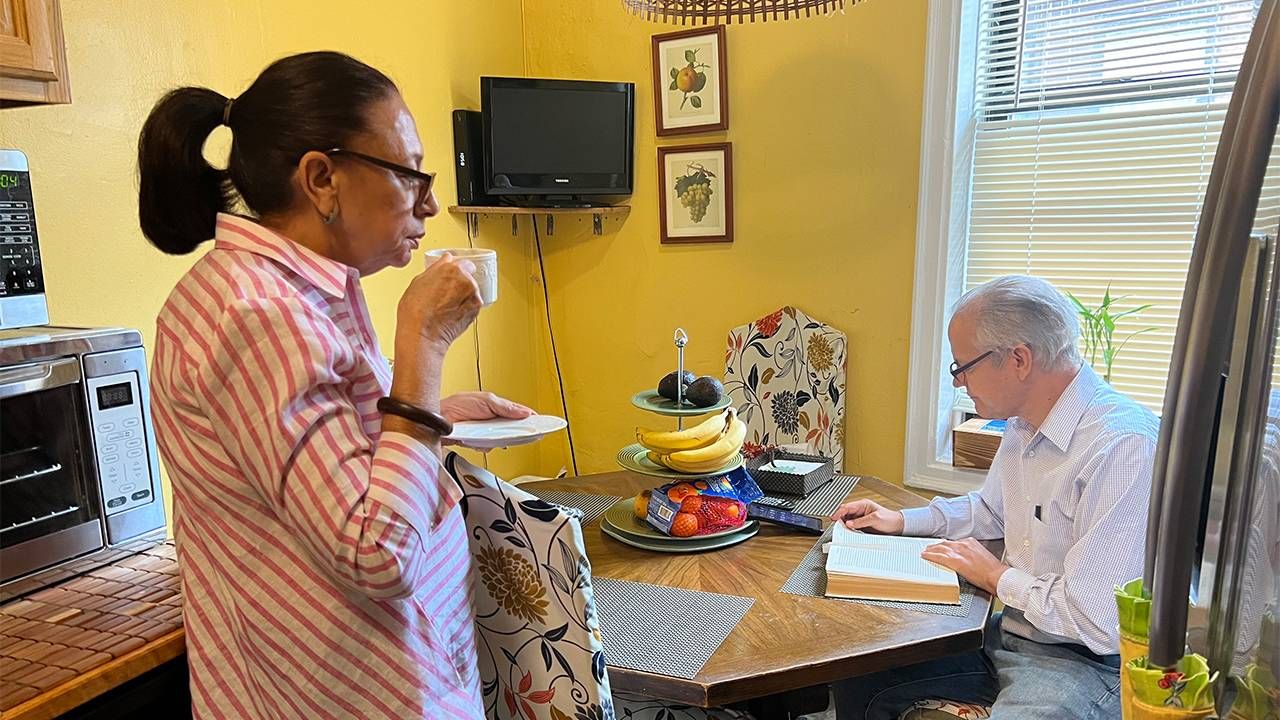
(663, 630)
(592, 506)
(810, 579)
(824, 500)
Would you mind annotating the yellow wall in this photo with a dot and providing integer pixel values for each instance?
(124, 54)
(825, 117)
(825, 123)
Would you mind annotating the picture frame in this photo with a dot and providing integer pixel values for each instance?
(690, 81)
(695, 193)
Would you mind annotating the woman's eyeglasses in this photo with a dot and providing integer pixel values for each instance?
(424, 179)
(957, 369)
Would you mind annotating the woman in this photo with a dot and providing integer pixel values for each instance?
(325, 568)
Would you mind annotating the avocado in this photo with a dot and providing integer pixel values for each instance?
(667, 385)
(705, 391)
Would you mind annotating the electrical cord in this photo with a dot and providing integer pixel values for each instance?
(475, 339)
(546, 300)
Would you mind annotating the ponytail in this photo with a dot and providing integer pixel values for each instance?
(180, 193)
(310, 101)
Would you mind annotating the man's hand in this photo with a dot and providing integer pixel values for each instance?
(481, 406)
(867, 515)
(970, 560)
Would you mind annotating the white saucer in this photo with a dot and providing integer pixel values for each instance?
(489, 434)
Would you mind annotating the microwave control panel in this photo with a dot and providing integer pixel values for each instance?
(22, 300)
(120, 439)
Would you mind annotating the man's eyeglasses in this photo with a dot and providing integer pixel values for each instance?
(424, 179)
(957, 369)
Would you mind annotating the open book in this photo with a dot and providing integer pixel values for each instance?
(886, 567)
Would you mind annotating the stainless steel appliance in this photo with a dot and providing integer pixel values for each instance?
(1214, 529)
(79, 476)
(22, 301)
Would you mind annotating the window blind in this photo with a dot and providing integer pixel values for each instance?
(1096, 123)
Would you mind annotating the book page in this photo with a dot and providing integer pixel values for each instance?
(884, 556)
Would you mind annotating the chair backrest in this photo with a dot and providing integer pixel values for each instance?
(786, 375)
(537, 631)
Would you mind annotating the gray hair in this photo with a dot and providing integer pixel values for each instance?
(1020, 309)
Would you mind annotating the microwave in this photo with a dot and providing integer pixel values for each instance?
(79, 476)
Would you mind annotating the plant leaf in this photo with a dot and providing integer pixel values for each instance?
(539, 509)
(557, 579)
(753, 377)
(674, 73)
(804, 420)
(511, 700)
(526, 682)
(500, 526)
(695, 101)
(767, 376)
(689, 56)
(546, 654)
(556, 634)
(542, 697)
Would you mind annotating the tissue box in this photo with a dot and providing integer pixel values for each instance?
(702, 506)
(791, 473)
(974, 443)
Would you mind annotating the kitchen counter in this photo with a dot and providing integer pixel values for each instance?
(65, 645)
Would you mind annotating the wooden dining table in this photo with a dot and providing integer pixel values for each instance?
(785, 642)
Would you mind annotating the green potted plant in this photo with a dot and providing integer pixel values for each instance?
(1098, 327)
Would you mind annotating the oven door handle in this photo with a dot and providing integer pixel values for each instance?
(41, 376)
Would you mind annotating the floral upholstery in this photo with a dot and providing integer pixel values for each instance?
(538, 639)
(944, 710)
(786, 375)
(537, 632)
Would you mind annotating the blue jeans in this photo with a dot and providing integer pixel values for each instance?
(1020, 680)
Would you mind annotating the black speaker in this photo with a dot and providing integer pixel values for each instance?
(468, 158)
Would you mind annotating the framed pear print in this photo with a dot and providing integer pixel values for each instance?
(690, 81)
(695, 193)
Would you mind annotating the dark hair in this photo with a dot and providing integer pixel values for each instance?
(311, 101)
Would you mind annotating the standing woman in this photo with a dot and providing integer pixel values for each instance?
(325, 568)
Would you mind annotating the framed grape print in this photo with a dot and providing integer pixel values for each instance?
(695, 193)
(690, 81)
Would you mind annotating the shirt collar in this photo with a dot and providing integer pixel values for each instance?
(239, 233)
(1061, 423)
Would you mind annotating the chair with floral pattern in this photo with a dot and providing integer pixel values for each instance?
(785, 373)
(537, 632)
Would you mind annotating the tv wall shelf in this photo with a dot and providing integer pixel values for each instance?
(598, 214)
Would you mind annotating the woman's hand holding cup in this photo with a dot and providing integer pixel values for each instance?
(441, 302)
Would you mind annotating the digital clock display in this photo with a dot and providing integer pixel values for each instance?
(112, 396)
(15, 185)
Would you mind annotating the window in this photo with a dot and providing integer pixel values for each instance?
(1072, 140)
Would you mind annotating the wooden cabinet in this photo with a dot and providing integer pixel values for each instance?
(33, 58)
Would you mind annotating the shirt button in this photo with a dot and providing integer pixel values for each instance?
(1028, 498)
(1026, 543)
(1031, 453)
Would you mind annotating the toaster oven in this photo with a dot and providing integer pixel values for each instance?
(79, 477)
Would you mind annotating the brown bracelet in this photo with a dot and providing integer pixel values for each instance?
(434, 422)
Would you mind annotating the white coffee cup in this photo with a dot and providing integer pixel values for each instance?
(486, 262)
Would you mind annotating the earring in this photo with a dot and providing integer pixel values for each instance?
(333, 215)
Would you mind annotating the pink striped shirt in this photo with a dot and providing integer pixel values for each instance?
(325, 569)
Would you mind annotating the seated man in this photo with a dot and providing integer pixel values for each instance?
(1067, 491)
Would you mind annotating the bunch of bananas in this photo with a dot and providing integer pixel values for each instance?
(703, 448)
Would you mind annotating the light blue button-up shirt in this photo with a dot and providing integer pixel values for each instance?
(1070, 500)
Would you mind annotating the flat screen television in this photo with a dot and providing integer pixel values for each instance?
(561, 138)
